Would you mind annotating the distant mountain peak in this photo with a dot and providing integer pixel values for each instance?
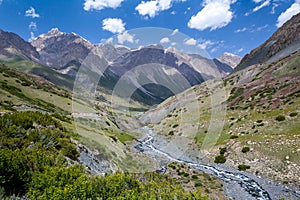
(54, 32)
(58, 49)
(230, 59)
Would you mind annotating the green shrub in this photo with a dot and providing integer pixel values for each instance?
(194, 177)
(234, 137)
(243, 167)
(198, 184)
(220, 159)
(207, 190)
(185, 174)
(223, 150)
(175, 125)
(245, 149)
(280, 118)
(293, 114)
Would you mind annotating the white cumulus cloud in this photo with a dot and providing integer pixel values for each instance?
(101, 4)
(289, 13)
(31, 13)
(125, 37)
(153, 7)
(149, 8)
(215, 14)
(114, 25)
(165, 40)
(190, 41)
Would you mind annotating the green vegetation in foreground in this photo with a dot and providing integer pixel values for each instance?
(38, 160)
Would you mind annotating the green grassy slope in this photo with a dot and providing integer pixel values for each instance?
(256, 98)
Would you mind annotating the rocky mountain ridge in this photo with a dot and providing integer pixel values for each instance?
(59, 50)
(13, 46)
(67, 52)
(283, 42)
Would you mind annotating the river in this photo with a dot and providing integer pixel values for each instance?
(237, 184)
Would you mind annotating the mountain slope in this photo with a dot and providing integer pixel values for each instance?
(283, 42)
(257, 113)
(59, 50)
(14, 47)
(258, 98)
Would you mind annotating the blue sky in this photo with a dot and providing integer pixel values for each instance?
(218, 26)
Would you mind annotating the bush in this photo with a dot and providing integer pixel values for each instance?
(198, 184)
(280, 118)
(220, 159)
(175, 125)
(293, 114)
(245, 149)
(243, 167)
(185, 174)
(171, 133)
(223, 150)
(194, 177)
(234, 137)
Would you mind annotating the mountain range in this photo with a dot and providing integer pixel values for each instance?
(65, 53)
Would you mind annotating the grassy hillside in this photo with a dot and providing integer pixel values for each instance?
(39, 157)
(38, 160)
(47, 73)
(262, 117)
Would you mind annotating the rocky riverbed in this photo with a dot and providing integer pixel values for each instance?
(237, 184)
